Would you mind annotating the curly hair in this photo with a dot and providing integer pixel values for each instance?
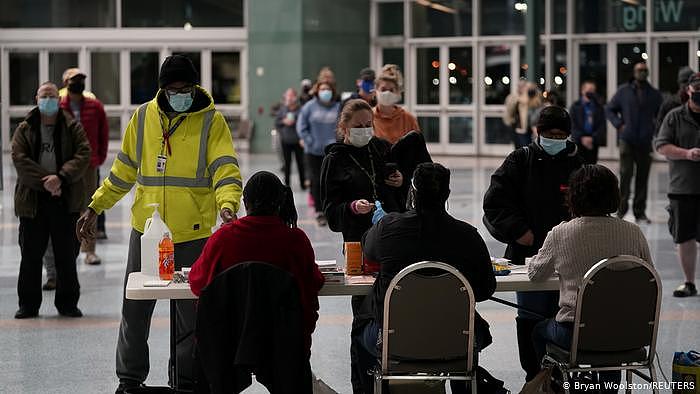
(593, 191)
(391, 73)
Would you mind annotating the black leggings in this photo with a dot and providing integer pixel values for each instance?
(287, 150)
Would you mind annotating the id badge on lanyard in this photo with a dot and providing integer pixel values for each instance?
(160, 163)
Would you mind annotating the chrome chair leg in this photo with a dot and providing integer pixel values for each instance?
(628, 379)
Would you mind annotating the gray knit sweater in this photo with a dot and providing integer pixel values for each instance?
(573, 247)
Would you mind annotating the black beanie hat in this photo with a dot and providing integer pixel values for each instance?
(177, 68)
(554, 117)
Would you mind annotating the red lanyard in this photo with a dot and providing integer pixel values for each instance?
(168, 133)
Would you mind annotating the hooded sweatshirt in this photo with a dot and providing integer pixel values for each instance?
(395, 125)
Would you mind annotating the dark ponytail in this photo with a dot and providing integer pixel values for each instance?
(288, 211)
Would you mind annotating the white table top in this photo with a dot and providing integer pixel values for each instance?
(516, 281)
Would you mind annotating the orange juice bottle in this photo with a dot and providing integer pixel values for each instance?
(166, 257)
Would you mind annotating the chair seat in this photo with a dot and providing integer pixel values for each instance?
(453, 367)
(598, 359)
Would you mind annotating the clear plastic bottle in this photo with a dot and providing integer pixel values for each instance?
(166, 257)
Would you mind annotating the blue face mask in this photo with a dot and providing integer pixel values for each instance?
(48, 106)
(180, 102)
(552, 146)
(325, 95)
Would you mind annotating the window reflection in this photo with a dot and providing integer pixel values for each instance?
(428, 71)
(593, 66)
(675, 15)
(672, 57)
(58, 63)
(461, 130)
(441, 18)
(497, 132)
(501, 17)
(524, 66)
(627, 56)
(115, 127)
(24, 68)
(226, 77)
(53, 13)
(196, 58)
(144, 76)
(560, 70)
(600, 16)
(497, 78)
(104, 76)
(177, 13)
(390, 19)
(393, 56)
(430, 127)
(460, 76)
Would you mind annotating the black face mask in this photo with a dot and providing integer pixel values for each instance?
(695, 98)
(76, 87)
(590, 96)
(531, 93)
(641, 75)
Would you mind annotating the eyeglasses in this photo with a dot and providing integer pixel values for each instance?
(184, 89)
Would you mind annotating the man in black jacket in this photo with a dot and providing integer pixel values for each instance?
(425, 232)
(632, 111)
(525, 199)
(588, 118)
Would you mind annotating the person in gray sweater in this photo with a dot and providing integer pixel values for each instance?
(572, 248)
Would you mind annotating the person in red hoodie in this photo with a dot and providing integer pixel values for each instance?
(268, 233)
(89, 111)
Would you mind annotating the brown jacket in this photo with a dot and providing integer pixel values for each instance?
(72, 159)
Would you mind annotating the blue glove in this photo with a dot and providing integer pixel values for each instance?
(378, 212)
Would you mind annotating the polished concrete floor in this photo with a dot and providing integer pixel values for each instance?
(60, 355)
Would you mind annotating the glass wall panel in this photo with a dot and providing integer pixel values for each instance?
(428, 72)
(441, 18)
(593, 66)
(497, 74)
(524, 66)
(672, 57)
(676, 15)
(104, 76)
(58, 63)
(226, 77)
(558, 17)
(24, 69)
(115, 127)
(54, 13)
(501, 17)
(393, 56)
(461, 130)
(144, 76)
(461, 75)
(390, 19)
(600, 16)
(627, 56)
(430, 127)
(560, 70)
(182, 13)
(497, 132)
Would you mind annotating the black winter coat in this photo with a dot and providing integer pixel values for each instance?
(249, 320)
(635, 107)
(527, 192)
(344, 180)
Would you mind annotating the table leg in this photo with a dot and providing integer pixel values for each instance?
(173, 346)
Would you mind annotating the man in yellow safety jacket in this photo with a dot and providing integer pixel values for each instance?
(178, 151)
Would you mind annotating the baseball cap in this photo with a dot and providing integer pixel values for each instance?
(72, 73)
(694, 80)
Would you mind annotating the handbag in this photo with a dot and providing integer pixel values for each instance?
(540, 384)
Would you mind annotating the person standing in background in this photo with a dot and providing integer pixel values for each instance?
(51, 154)
(391, 121)
(305, 95)
(675, 100)
(632, 111)
(286, 124)
(520, 110)
(365, 88)
(588, 118)
(679, 141)
(91, 114)
(316, 126)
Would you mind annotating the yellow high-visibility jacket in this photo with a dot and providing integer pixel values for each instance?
(201, 174)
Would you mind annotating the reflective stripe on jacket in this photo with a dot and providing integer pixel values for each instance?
(201, 174)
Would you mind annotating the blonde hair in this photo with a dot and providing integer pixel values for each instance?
(391, 73)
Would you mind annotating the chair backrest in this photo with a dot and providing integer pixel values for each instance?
(428, 316)
(617, 307)
(250, 319)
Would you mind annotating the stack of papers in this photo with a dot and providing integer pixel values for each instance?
(330, 271)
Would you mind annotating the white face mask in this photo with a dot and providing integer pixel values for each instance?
(360, 136)
(388, 97)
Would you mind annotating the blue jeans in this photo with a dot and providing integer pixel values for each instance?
(560, 334)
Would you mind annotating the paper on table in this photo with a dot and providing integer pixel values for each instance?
(156, 283)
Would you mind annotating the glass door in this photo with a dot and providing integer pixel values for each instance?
(498, 75)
